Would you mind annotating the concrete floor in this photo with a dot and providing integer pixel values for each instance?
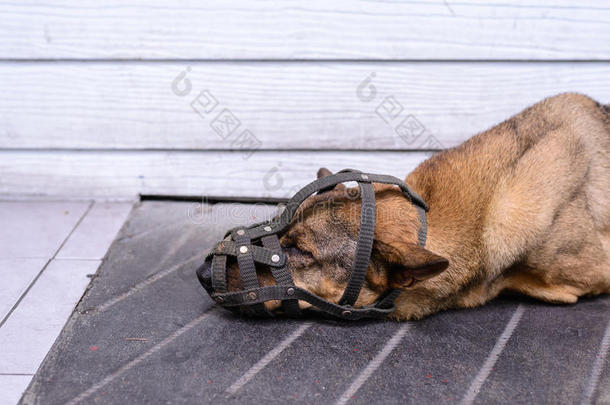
(47, 251)
(146, 332)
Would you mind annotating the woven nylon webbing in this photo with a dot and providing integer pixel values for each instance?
(282, 275)
(325, 182)
(423, 229)
(280, 293)
(259, 254)
(219, 273)
(363, 247)
(247, 270)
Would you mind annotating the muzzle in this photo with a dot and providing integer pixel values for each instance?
(259, 244)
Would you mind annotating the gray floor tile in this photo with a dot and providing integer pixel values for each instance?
(192, 369)
(16, 275)
(320, 364)
(438, 357)
(32, 328)
(550, 354)
(36, 229)
(93, 236)
(120, 305)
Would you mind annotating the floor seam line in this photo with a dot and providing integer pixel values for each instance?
(268, 358)
(142, 284)
(140, 358)
(373, 365)
(19, 374)
(597, 368)
(61, 245)
(492, 358)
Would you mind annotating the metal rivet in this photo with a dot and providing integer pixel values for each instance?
(252, 295)
(365, 177)
(346, 313)
(243, 249)
(241, 232)
(267, 228)
(290, 291)
(220, 300)
(275, 258)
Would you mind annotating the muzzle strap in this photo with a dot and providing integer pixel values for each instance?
(282, 275)
(259, 254)
(237, 299)
(363, 247)
(423, 228)
(245, 260)
(219, 274)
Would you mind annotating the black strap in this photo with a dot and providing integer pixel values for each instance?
(247, 271)
(282, 275)
(387, 301)
(281, 293)
(291, 206)
(364, 245)
(260, 254)
(219, 273)
(423, 229)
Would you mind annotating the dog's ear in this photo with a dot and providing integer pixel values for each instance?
(410, 263)
(324, 172)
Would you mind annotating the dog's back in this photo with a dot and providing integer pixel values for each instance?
(527, 203)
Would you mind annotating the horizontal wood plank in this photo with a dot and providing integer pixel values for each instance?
(125, 174)
(319, 29)
(284, 106)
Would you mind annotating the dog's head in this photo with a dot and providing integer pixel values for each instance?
(320, 244)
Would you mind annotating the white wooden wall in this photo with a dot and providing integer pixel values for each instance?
(114, 98)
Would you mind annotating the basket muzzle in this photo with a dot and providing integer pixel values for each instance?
(259, 244)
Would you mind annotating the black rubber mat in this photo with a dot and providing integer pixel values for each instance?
(145, 332)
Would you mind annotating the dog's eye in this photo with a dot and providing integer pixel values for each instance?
(292, 250)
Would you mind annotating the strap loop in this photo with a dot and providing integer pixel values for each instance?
(280, 293)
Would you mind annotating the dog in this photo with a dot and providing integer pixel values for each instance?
(523, 207)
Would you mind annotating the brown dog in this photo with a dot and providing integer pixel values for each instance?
(521, 207)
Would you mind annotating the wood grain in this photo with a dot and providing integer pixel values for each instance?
(286, 106)
(69, 174)
(319, 29)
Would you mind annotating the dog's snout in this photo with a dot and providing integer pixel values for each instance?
(204, 273)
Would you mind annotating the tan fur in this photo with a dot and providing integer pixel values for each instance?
(522, 207)
(532, 197)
